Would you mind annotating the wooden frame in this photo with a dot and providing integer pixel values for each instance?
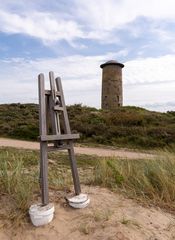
(52, 110)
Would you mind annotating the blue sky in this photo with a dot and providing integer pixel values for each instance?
(73, 37)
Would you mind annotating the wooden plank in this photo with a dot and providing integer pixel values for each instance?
(48, 92)
(43, 145)
(54, 116)
(52, 85)
(44, 173)
(61, 147)
(47, 114)
(59, 137)
(74, 170)
(42, 106)
(67, 129)
(57, 108)
(65, 115)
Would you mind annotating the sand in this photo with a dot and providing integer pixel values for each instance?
(110, 216)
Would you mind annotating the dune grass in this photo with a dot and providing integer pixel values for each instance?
(151, 181)
(19, 175)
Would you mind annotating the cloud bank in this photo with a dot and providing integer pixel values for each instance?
(79, 36)
(146, 81)
(93, 19)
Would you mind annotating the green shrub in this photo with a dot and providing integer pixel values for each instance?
(124, 127)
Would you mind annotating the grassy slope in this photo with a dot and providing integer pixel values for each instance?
(124, 127)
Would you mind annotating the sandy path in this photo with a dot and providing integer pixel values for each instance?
(79, 150)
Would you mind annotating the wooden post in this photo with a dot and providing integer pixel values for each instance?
(43, 145)
(72, 158)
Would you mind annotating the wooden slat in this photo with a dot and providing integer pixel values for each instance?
(67, 130)
(44, 173)
(59, 137)
(65, 116)
(74, 170)
(54, 117)
(48, 92)
(57, 108)
(58, 148)
(42, 106)
(43, 145)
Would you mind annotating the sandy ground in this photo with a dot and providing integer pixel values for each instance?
(109, 216)
(79, 150)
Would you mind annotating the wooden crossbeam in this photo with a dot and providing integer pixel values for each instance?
(48, 92)
(46, 138)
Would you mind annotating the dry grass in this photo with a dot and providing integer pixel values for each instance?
(151, 181)
(17, 187)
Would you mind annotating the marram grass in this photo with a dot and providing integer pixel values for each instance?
(151, 181)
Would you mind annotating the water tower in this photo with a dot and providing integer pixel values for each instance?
(112, 91)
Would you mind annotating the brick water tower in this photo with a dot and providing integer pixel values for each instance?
(112, 90)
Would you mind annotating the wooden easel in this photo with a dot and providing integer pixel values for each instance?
(52, 111)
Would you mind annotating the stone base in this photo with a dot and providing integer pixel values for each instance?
(41, 215)
(79, 201)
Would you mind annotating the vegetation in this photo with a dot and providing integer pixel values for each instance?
(151, 181)
(125, 127)
(19, 175)
(19, 121)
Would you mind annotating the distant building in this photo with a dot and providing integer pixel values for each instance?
(112, 90)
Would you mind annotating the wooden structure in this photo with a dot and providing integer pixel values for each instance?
(54, 128)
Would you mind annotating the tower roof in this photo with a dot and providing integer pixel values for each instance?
(111, 62)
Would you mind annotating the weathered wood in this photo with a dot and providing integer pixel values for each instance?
(67, 130)
(44, 173)
(54, 116)
(57, 108)
(43, 145)
(42, 106)
(48, 92)
(74, 170)
(65, 116)
(59, 137)
(52, 107)
(47, 114)
(58, 148)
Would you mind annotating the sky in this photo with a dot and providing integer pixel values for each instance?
(73, 37)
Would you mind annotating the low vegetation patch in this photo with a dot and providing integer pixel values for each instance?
(131, 127)
(152, 181)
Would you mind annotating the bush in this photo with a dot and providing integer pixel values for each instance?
(123, 127)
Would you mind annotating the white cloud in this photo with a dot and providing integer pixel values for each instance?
(107, 15)
(150, 70)
(40, 25)
(158, 96)
(150, 82)
(93, 19)
(102, 17)
(80, 77)
(146, 81)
